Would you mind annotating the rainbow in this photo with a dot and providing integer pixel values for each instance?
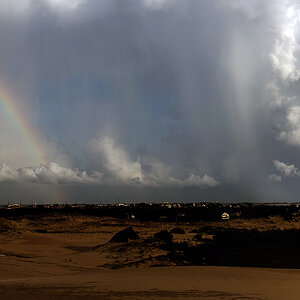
(34, 145)
(18, 119)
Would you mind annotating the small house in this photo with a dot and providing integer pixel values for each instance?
(225, 216)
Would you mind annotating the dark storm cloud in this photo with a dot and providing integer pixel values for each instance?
(179, 93)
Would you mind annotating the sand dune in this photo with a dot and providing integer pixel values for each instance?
(165, 282)
(73, 257)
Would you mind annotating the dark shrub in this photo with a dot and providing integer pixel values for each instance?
(125, 235)
(178, 230)
(164, 235)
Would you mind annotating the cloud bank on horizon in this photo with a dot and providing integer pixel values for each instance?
(120, 170)
(154, 93)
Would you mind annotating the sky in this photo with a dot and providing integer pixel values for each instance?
(149, 100)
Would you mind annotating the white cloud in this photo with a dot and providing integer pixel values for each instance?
(294, 115)
(157, 173)
(6, 173)
(285, 170)
(118, 162)
(146, 171)
(277, 98)
(283, 54)
(292, 134)
(275, 178)
(119, 167)
(196, 180)
(285, 63)
(27, 174)
(51, 173)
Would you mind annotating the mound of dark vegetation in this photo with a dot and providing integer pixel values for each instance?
(125, 235)
(165, 236)
(234, 247)
(177, 230)
(199, 237)
(272, 248)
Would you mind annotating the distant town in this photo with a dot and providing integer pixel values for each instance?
(170, 212)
